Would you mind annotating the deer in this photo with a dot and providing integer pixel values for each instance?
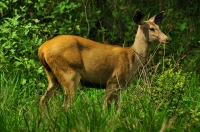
(70, 61)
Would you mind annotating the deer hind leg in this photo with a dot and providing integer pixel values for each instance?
(51, 89)
(70, 80)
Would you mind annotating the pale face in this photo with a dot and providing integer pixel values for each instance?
(152, 33)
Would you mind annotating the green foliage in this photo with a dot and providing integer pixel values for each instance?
(168, 90)
(169, 84)
(19, 48)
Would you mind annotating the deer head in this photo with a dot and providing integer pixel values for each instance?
(149, 29)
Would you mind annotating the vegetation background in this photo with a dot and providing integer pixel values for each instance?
(164, 97)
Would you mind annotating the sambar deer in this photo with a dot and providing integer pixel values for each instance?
(71, 60)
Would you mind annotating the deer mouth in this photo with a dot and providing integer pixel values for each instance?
(167, 41)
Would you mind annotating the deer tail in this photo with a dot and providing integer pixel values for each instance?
(43, 60)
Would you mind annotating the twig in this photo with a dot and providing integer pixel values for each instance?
(86, 17)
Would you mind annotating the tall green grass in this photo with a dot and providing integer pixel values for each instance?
(143, 107)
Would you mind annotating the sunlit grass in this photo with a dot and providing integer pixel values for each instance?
(19, 110)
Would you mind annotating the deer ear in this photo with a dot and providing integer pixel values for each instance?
(138, 17)
(157, 19)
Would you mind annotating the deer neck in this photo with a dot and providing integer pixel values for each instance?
(141, 46)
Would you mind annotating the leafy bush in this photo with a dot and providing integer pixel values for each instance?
(169, 88)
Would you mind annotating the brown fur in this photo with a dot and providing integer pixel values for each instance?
(69, 60)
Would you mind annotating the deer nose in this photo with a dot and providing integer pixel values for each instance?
(168, 41)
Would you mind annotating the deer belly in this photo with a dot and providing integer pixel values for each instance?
(91, 84)
(94, 79)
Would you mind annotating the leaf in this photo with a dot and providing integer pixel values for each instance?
(14, 1)
(3, 5)
(36, 20)
(17, 63)
(23, 81)
(40, 70)
(183, 26)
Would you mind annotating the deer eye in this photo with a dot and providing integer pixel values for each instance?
(152, 29)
